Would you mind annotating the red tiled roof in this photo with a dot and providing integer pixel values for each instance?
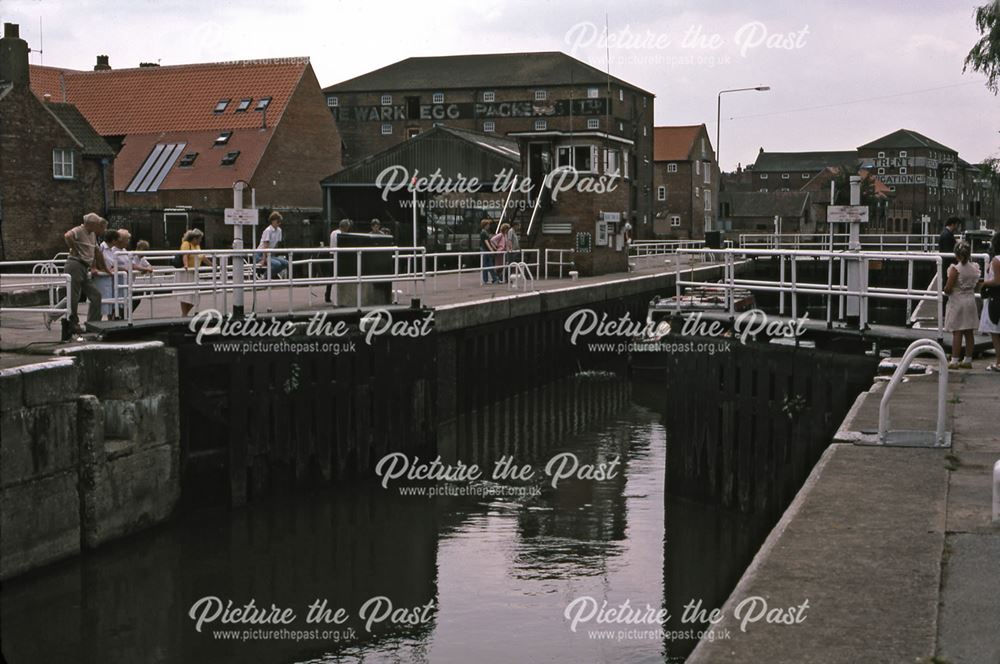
(145, 100)
(674, 143)
(207, 171)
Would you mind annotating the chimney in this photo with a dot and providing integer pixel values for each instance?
(13, 56)
(144, 65)
(47, 97)
(102, 63)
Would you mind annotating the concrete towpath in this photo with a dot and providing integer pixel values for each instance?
(891, 547)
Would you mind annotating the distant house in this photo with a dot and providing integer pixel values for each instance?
(185, 134)
(788, 171)
(685, 182)
(54, 167)
(755, 212)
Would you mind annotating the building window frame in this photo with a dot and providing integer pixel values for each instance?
(437, 98)
(489, 96)
(221, 106)
(661, 193)
(244, 104)
(333, 101)
(489, 126)
(63, 166)
(541, 95)
(385, 100)
(902, 170)
(675, 221)
(541, 125)
(593, 123)
(785, 176)
(671, 167)
(763, 176)
(593, 93)
(386, 129)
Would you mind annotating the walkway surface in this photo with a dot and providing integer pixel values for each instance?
(892, 548)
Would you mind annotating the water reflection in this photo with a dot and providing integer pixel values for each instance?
(500, 571)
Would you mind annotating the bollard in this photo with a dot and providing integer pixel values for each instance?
(996, 492)
(574, 275)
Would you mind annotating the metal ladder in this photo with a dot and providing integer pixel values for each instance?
(910, 438)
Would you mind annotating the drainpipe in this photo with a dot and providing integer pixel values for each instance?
(104, 183)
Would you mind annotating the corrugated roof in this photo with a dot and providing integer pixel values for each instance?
(91, 144)
(812, 162)
(143, 100)
(455, 152)
(488, 70)
(674, 143)
(766, 203)
(906, 138)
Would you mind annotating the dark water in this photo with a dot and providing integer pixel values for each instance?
(499, 572)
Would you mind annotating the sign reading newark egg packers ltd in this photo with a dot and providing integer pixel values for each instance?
(472, 110)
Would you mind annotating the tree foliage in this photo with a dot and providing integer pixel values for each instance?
(985, 55)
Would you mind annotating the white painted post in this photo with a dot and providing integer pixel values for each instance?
(854, 244)
(238, 246)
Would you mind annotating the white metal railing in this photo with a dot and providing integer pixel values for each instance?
(559, 260)
(474, 262)
(789, 284)
(519, 275)
(644, 248)
(885, 437)
(833, 241)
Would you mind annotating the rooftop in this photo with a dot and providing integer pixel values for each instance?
(488, 70)
(906, 138)
(812, 162)
(675, 143)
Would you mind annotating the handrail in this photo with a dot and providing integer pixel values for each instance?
(915, 348)
(522, 272)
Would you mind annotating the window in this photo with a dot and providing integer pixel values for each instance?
(671, 168)
(437, 98)
(763, 189)
(221, 105)
(892, 188)
(703, 145)
(541, 95)
(902, 170)
(62, 164)
(697, 167)
(188, 159)
(675, 220)
(881, 171)
(881, 155)
(661, 193)
(708, 174)
(805, 176)
(643, 130)
(612, 162)
(244, 104)
(593, 93)
(625, 164)
(708, 200)
(230, 158)
(902, 153)
(621, 95)
(386, 100)
(332, 102)
(223, 138)
(540, 125)
(621, 127)
(580, 157)
(763, 176)
(489, 126)
(386, 128)
(697, 192)
(263, 103)
(784, 176)
(593, 123)
(489, 96)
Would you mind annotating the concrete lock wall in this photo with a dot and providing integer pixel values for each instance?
(89, 451)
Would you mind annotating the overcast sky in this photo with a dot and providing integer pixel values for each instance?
(900, 62)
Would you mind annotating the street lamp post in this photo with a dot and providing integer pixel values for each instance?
(718, 116)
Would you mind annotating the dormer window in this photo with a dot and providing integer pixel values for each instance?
(244, 104)
(188, 159)
(223, 138)
(264, 102)
(230, 158)
(221, 105)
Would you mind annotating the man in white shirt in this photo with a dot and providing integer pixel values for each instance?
(270, 239)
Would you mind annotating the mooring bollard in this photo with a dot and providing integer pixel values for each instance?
(996, 492)
(574, 275)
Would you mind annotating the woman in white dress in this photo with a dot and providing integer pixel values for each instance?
(986, 324)
(961, 317)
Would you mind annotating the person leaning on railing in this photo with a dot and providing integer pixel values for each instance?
(83, 262)
(189, 274)
(989, 322)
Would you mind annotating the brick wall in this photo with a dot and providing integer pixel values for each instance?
(37, 208)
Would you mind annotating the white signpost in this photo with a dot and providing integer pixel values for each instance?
(847, 214)
(241, 217)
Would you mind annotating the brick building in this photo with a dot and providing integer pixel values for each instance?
(754, 211)
(562, 111)
(789, 171)
(54, 167)
(685, 182)
(922, 174)
(184, 134)
(978, 193)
